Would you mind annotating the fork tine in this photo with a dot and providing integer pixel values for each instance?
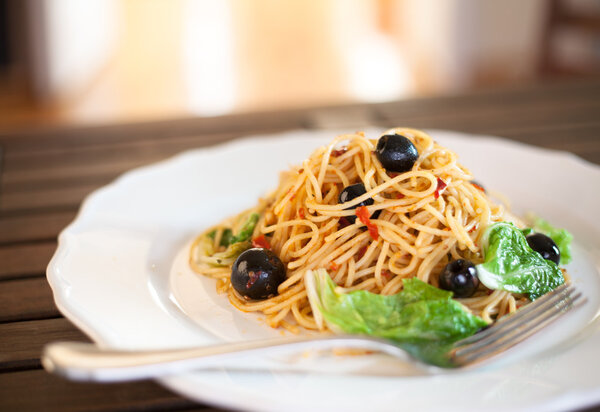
(493, 344)
(506, 342)
(507, 322)
(557, 307)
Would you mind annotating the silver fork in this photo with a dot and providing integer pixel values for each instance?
(87, 362)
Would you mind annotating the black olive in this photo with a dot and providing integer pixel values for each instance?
(396, 153)
(257, 273)
(352, 192)
(545, 246)
(460, 277)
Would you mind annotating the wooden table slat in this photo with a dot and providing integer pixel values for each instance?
(65, 174)
(25, 260)
(56, 199)
(477, 121)
(42, 226)
(26, 299)
(121, 150)
(21, 343)
(118, 151)
(547, 95)
(153, 131)
(36, 390)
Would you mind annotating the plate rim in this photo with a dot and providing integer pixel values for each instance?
(59, 289)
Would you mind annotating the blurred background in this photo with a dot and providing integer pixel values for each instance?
(114, 61)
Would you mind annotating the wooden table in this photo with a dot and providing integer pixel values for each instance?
(46, 173)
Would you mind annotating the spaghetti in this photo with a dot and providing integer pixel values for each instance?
(418, 221)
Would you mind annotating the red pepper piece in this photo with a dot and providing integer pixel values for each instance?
(478, 187)
(363, 214)
(441, 185)
(339, 152)
(261, 241)
(301, 213)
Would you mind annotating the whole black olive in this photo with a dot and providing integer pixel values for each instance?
(396, 153)
(460, 277)
(352, 192)
(545, 246)
(257, 273)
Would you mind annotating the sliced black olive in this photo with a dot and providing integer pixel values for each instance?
(396, 153)
(545, 246)
(460, 277)
(257, 273)
(352, 192)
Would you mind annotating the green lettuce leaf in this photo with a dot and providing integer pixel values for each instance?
(225, 258)
(422, 319)
(561, 237)
(511, 265)
(235, 244)
(225, 237)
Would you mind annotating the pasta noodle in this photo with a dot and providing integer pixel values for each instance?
(429, 215)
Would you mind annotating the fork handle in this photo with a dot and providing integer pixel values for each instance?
(88, 362)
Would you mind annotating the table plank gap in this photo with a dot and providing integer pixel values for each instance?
(26, 299)
(25, 259)
(56, 394)
(213, 129)
(45, 199)
(21, 343)
(41, 227)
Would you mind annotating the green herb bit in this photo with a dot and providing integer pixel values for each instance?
(246, 230)
(226, 237)
(228, 256)
(235, 244)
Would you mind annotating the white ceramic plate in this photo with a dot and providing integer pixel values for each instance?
(120, 274)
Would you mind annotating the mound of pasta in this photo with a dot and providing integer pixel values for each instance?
(372, 213)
